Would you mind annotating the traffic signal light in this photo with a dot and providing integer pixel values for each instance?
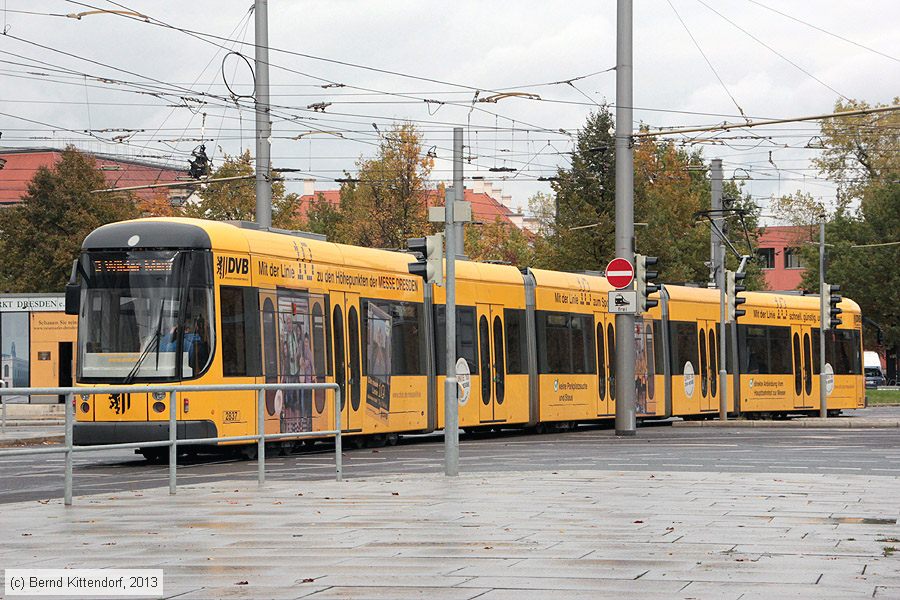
(832, 310)
(430, 258)
(644, 281)
(733, 287)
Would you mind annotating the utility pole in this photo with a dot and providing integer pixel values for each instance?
(451, 405)
(263, 122)
(824, 313)
(716, 216)
(626, 422)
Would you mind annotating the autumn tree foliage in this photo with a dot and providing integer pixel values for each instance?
(386, 202)
(41, 236)
(499, 241)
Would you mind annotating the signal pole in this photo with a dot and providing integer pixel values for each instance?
(824, 313)
(723, 371)
(451, 406)
(716, 255)
(263, 122)
(626, 422)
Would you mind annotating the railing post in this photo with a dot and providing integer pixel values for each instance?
(3, 406)
(173, 441)
(67, 494)
(261, 431)
(338, 460)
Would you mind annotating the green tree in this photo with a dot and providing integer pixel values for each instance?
(670, 189)
(323, 217)
(582, 235)
(42, 235)
(862, 156)
(386, 203)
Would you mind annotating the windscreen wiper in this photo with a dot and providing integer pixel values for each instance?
(153, 341)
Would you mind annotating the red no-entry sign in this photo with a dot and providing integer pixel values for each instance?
(619, 273)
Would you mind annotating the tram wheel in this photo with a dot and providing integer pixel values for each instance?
(156, 456)
(248, 452)
(392, 439)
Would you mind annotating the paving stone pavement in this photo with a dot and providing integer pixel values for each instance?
(548, 535)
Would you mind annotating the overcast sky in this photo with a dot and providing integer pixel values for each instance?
(473, 46)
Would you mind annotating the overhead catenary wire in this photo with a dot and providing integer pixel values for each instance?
(773, 50)
(706, 58)
(825, 31)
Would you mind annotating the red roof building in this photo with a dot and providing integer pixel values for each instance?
(778, 252)
(18, 166)
(487, 204)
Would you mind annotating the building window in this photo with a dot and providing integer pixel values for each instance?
(766, 258)
(792, 259)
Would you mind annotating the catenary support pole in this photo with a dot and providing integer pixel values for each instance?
(824, 313)
(451, 407)
(626, 423)
(723, 373)
(715, 256)
(263, 121)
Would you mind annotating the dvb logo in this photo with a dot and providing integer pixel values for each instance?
(228, 265)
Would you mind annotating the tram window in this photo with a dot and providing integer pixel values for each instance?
(611, 359)
(465, 338)
(807, 368)
(339, 368)
(240, 331)
(703, 366)
(485, 348)
(565, 343)
(683, 345)
(407, 346)
(713, 362)
(779, 350)
(499, 375)
(816, 345)
(765, 349)
(658, 351)
(319, 323)
(601, 361)
(651, 367)
(516, 342)
(554, 347)
(582, 343)
(798, 375)
(844, 356)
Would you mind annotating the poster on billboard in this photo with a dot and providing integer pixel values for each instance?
(378, 367)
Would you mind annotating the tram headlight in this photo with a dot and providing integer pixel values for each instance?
(85, 397)
(159, 396)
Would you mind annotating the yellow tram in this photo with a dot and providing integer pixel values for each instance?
(185, 300)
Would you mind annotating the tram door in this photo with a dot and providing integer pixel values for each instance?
(606, 364)
(708, 344)
(492, 363)
(345, 327)
(806, 386)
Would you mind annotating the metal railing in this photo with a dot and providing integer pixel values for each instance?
(173, 442)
